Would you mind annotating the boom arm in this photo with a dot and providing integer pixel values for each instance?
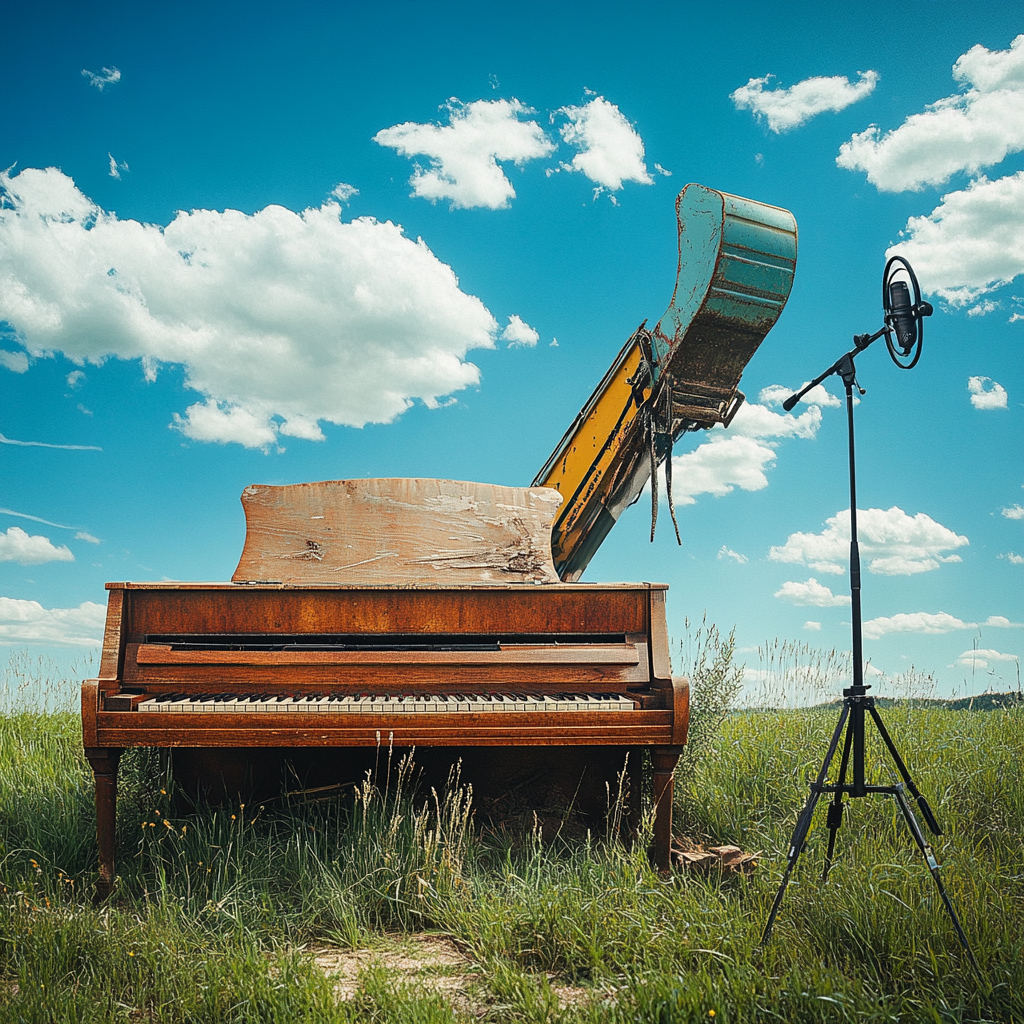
(736, 264)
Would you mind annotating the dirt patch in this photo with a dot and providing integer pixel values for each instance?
(430, 962)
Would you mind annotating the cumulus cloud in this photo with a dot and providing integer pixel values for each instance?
(739, 456)
(28, 622)
(610, 150)
(519, 334)
(784, 109)
(720, 466)
(1012, 558)
(753, 420)
(18, 546)
(986, 393)
(464, 153)
(894, 543)
(972, 242)
(928, 623)
(724, 552)
(982, 657)
(964, 132)
(1014, 512)
(814, 627)
(810, 593)
(776, 394)
(280, 319)
(101, 79)
(87, 537)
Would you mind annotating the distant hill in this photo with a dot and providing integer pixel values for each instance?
(981, 702)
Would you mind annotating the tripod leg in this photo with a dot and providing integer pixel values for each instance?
(835, 809)
(933, 866)
(803, 825)
(926, 811)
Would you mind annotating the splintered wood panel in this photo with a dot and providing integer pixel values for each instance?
(420, 531)
(492, 610)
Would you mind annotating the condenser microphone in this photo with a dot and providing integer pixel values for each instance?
(903, 316)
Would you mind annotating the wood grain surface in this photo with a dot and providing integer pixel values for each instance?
(381, 531)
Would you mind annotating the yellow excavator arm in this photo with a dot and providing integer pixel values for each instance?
(736, 264)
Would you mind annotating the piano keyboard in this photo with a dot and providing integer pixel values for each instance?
(382, 704)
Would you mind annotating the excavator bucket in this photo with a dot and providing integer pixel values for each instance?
(737, 258)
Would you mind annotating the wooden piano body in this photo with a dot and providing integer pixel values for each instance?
(311, 650)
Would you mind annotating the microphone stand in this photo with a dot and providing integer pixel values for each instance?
(856, 706)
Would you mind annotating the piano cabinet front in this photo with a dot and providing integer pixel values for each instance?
(106, 733)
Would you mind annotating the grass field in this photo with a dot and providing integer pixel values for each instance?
(390, 906)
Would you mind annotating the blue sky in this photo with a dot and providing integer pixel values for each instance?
(242, 246)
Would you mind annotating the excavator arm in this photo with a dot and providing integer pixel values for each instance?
(736, 264)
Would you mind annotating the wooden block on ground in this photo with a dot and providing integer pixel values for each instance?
(394, 531)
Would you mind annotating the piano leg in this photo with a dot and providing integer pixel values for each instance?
(664, 762)
(104, 763)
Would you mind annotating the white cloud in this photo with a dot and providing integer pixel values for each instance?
(719, 466)
(87, 537)
(981, 658)
(914, 622)
(36, 519)
(464, 154)
(724, 552)
(739, 456)
(44, 444)
(894, 543)
(926, 622)
(814, 627)
(16, 362)
(519, 334)
(753, 420)
(18, 546)
(343, 193)
(776, 394)
(810, 593)
(1014, 512)
(972, 242)
(116, 168)
(988, 395)
(101, 79)
(610, 150)
(1001, 622)
(75, 379)
(963, 132)
(280, 319)
(28, 622)
(785, 109)
(1012, 558)
(983, 308)
(661, 170)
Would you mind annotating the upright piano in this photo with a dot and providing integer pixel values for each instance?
(259, 664)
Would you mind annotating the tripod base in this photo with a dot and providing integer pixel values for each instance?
(852, 718)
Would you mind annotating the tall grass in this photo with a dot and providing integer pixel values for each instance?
(213, 909)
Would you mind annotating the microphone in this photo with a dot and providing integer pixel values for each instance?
(903, 316)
